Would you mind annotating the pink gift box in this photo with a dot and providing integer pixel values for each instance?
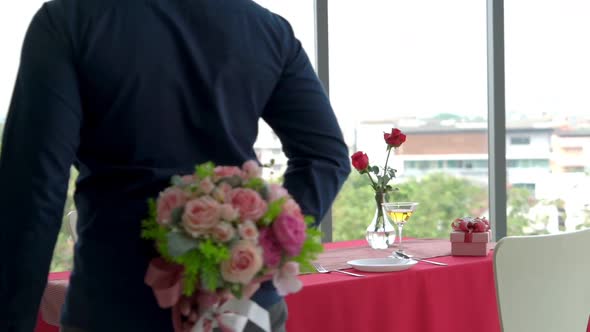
(470, 244)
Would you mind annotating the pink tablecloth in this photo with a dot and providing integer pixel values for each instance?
(53, 299)
(459, 297)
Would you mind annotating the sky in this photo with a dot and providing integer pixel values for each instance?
(391, 58)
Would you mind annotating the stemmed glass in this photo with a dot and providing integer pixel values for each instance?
(399, 213)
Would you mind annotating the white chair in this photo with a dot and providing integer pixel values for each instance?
(543, 282)
(71, 224)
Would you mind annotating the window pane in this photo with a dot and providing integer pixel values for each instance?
(520, 140)
(14, 21)
(547, 84)
(300, 14)
(419, 66)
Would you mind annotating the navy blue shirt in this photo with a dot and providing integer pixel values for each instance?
(130, 93)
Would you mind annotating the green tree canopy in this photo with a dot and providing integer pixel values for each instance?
(442, 197)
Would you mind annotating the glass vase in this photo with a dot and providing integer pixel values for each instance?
(380, 234)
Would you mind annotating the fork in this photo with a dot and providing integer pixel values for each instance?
(322, 269)
(402, 255)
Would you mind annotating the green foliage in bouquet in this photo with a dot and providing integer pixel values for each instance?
(201, 261)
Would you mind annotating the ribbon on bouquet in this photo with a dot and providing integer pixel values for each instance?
(165, 279)
(232, 316)
(469, 226)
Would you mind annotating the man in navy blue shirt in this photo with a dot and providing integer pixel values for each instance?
(130, 93)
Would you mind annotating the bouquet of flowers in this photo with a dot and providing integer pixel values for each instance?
(220, 232)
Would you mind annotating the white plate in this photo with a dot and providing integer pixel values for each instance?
(382, 264)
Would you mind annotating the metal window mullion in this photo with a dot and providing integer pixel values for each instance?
(496, 118)
(323, 69)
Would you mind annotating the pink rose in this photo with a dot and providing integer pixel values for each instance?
(244, 263)
(224, 187)
(248, 202)
(206, 186)
(276, 191)
(292, 208)
(270, 246)
(228, 212)
(290, 232)
(248, 231)
(187, 179)
(169, 200)
(223, 232)
(227, 171)
(220, 193)
(251, 169)
(200, 215)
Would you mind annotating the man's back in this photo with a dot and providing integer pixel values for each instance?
(133, 92)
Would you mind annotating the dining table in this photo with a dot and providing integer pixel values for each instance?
(426, 297)
(457, 297)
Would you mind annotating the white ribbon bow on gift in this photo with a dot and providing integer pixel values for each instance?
(233, 316)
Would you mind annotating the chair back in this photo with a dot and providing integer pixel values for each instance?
(71, 224)
(543, 282)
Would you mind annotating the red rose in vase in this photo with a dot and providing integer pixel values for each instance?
(377, 232)
(395, 139)
(360, 161)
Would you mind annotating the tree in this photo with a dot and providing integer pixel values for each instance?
(64, 248)
(442, 198)
(586, 223)
(447, 116)
(353, 209)
(519, 204)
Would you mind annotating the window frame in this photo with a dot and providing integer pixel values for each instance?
(497, 173)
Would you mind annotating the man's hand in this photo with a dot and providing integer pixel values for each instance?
(187, 312)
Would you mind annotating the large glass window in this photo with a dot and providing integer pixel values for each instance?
(419, 66)
(14, 21)
(547, 84)
(300, 14)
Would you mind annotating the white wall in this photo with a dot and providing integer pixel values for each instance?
(539, 147)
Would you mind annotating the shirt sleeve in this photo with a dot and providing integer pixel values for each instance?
(39, 144)
(300, 113)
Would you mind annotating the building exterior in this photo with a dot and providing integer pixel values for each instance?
(570, 151)
(461, 149)
(549, 160)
